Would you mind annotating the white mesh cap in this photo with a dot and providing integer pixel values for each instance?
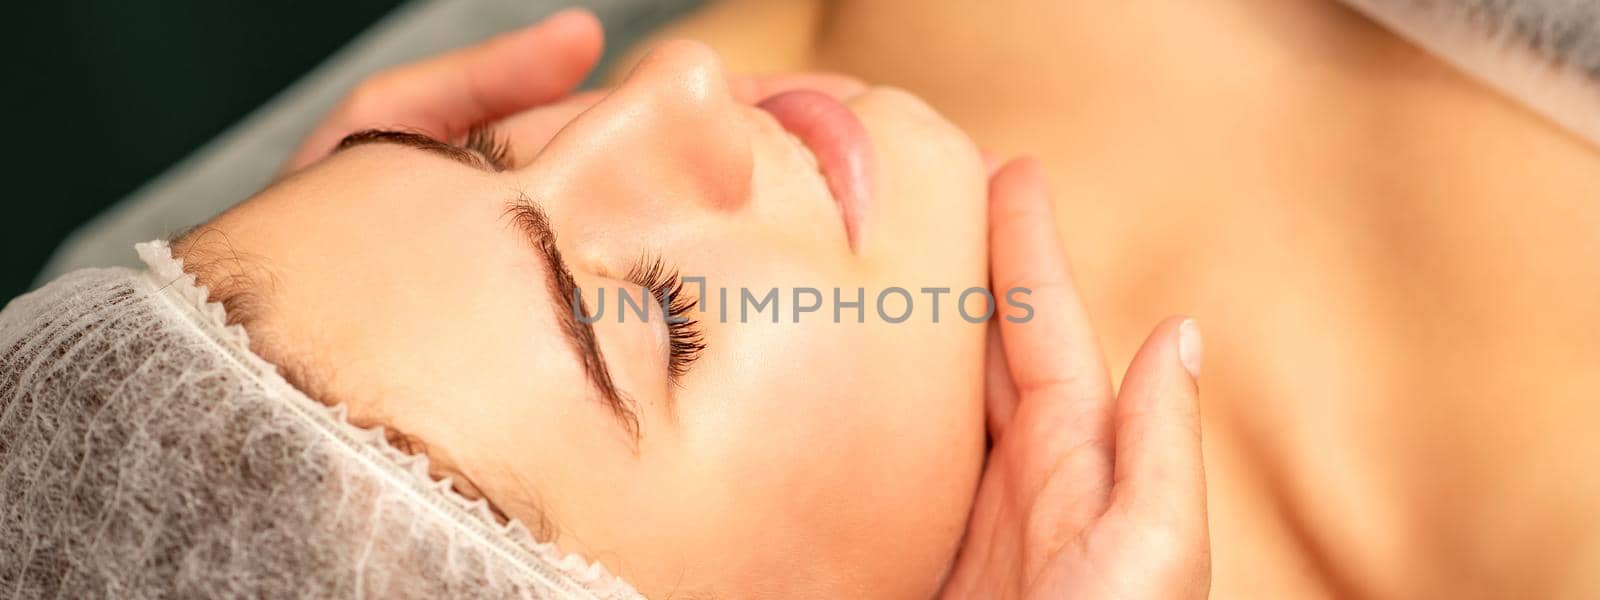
(145, 451)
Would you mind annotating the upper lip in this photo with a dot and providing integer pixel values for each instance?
(841, 145)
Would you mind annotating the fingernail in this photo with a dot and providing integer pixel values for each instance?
(1190, 349)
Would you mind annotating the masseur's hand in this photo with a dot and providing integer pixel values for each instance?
(1089, 492)
(446, 95)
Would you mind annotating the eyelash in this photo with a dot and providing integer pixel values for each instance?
(486, 142)
(684, 333)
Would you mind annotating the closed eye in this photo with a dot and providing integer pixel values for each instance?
(685, 337)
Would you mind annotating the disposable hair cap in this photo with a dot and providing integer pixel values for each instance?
(145, 451)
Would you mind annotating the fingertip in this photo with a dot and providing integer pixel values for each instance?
(1023, 168)
(1174, 345)
(541, 62)
(1018, 175)
(1030, 167)
(1177, 340)
(574, 33)
(576, 21)
(1018, 191)
(1191, 347)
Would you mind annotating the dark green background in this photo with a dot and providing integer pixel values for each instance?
(100, 96)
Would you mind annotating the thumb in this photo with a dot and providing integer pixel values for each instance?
(445, 95)
(1159, 475)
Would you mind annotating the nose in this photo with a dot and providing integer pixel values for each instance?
(669, 137)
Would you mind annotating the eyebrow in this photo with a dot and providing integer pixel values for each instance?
(563, 287)
(419, 141)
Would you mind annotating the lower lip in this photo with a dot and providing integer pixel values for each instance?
(843, 150)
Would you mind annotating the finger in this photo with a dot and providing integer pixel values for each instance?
(1000, 396)
(1159, 473)
(1052, 353)
(445, 95)
(508, 73)
(751, 89)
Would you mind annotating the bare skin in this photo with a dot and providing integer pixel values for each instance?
(1395, 266)
(1088, 491)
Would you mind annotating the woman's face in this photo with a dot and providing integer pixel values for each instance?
(832, 457)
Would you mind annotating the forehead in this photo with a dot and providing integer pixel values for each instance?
(401, 271)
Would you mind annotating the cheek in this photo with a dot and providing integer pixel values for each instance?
(845, 434)
(931, 190)
(874, 415)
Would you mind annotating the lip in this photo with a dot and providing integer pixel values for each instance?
(843, 149)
